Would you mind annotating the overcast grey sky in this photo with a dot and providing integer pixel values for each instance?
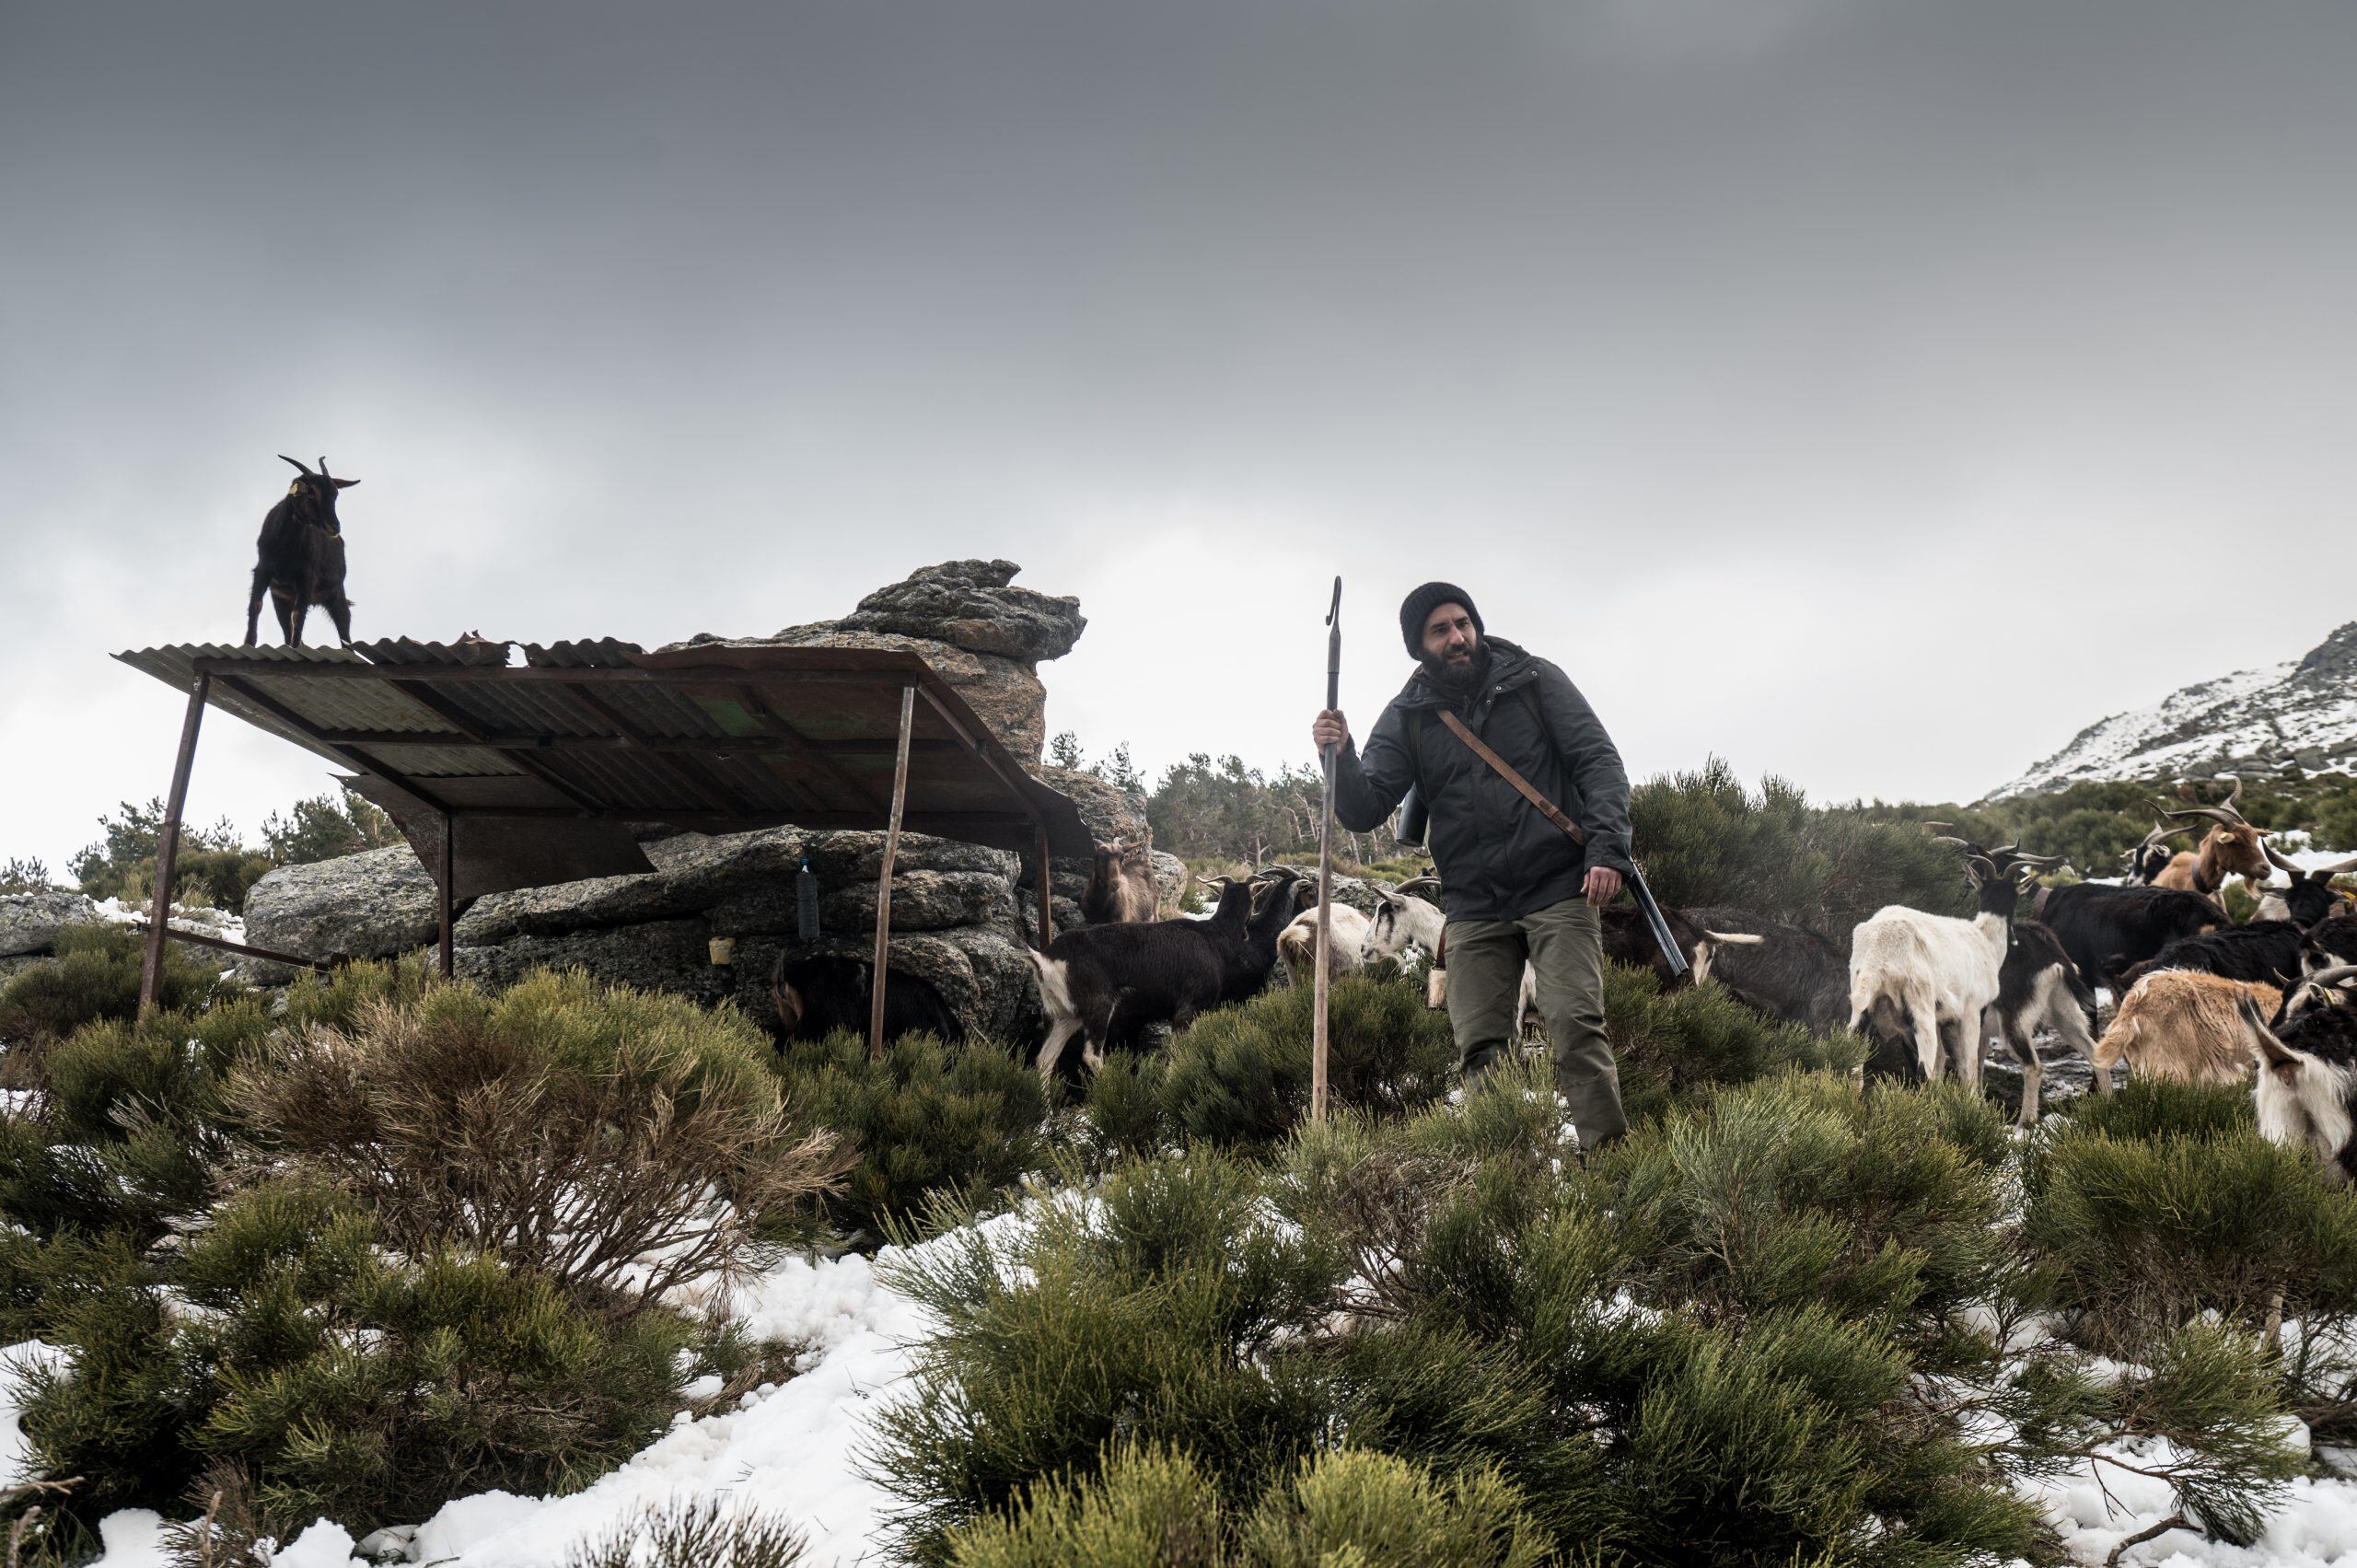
(1870, 392)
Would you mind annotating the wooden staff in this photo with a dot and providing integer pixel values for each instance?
(1318, 1027)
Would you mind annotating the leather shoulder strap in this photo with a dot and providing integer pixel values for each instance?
(1547, 808)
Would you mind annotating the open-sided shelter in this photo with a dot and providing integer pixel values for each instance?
(506, 775)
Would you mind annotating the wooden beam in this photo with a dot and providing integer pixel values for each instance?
(167, 848)
(884, 880)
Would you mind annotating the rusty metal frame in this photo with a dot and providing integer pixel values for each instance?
(244, 949)
(167, 847)
(673, 755)
(876, 977)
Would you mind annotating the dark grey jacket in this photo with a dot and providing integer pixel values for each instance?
(1499, 859)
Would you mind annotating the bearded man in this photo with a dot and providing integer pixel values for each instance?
(1518, 888)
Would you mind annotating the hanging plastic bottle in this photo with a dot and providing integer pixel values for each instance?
(806, 902)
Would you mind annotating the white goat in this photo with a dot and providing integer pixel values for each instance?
(1297, 943)
(1403, 921)
(1935, 978)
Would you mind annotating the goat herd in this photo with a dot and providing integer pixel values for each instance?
(2197, 997)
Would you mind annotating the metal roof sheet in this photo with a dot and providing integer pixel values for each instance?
(599, 731)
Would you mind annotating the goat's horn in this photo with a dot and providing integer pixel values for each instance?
(1417, 885)
(296, 461)
(2276, 858)
(2343, 868)
(2216, 814)
(1960, 843)
(2332, 976)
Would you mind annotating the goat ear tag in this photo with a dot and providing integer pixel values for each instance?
(296, 488)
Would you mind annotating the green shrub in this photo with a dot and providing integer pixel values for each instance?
(344, 1379)
(1801, 1191)
(1239, 1076)
(96, 976)
(128, 1126)
(1159, 1509)
(1669, 1044)
(562, 1126)
(1169, 1311)
(2146, 1107)
(1707, 839)
(1122, 1111)
(2209, 1392)
(1148, 1509)
(693, 1535)
(958, 1124)
(2138, 1235)
(1145, 1378)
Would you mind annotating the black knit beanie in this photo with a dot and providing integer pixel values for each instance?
(1422, 603)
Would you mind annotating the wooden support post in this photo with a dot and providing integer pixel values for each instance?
(1046, 898)
(1319, 1030)
(444, 888)
(884, 879)
(167, 848)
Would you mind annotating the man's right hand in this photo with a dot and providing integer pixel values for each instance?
(1330, 730)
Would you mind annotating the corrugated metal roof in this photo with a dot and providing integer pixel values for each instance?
(706, 736)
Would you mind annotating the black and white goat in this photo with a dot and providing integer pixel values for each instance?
(2039, 988)
(298, 559)
(1793, 975)
(2306, 1092)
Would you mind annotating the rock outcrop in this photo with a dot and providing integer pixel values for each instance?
(966, 620)
(972, 605)
(371, 905)
(29, 922)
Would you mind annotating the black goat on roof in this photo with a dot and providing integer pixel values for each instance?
(299, 560)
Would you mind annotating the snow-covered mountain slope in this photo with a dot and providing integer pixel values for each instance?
(2253, 721)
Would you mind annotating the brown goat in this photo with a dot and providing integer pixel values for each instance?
(2233, 848)
(1121, 890)
(2185, 1025)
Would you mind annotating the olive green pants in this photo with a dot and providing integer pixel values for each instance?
(1564, 945)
